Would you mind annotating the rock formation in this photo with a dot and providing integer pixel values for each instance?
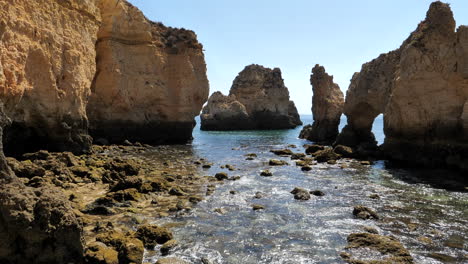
(258, 99)
(149, 85)
(151, 80)
(47, 64)
(422, 90)
(37, 225)
(327, 107)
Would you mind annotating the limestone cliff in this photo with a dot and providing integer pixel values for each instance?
(327, 107)
(258, 99)
(151, 80)
(47, 64)
(425, 118)
(37, 225)
(422, 90)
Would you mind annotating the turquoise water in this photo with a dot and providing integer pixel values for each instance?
(413, 206)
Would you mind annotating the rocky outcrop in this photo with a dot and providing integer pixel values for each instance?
(47, 64)
(424, 118)
(151, 80)
(258, 99)
(327, 107)
(37, 225)
(422, 90)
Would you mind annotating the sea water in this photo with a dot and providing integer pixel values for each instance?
(426, 210)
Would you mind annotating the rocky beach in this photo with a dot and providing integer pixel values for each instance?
(113, 152)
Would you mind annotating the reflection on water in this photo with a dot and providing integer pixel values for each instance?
(431, 222)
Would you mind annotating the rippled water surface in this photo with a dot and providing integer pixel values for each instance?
(429, 218)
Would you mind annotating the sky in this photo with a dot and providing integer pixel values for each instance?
(294, 35)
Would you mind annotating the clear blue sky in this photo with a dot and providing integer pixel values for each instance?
(294, 35)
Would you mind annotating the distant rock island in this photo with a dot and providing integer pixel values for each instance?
(258, 99)
(327, 107)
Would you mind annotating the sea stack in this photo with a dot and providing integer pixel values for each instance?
(422, 90)
(327, 107)
(258, 99)
(151, 79)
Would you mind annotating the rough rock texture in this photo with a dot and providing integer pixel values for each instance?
(151, 80)
(425, 119)
(258, 99)
(422, 90)
(47, 64)
(327, 107)
(37, 225)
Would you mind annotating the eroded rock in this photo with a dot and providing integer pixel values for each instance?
(327, 107)
(258, 99)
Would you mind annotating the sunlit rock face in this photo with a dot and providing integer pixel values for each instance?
(258, 99)
(151, 79)
(47, 64)
(327, 107)
(422, 90)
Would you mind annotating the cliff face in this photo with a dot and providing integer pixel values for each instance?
(425, 118)
(263, 95)
(151, 80)
(327, 107)
(422, 90)
(37, 225)
(47, 64)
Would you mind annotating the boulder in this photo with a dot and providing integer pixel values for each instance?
(327, 107)
(258, 99)
(300, 194)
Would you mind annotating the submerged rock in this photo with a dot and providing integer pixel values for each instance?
(266, 173)
(327, 107)
(365, 213)
(258, 99)
(300, 194)
(391, 249)
(275, 162)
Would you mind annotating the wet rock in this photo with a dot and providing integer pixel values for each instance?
(99, 253)
(234, 178)
(259, 195)
(249, 158)
(176, 191)
(230, 167)
(392, 250)
(195, 199)
(331, 162)
(171, 261)
(317, 193)
(306, 168)
(168, 246)
(220, 211)
(300, 194)
(252, 155)
(365, 162)
(232, 192)
(220, 176)
(371, 230)
(325, 155)
(296, 156)
(344, 151)
(130, 248)
(151, 235)
(266, 173)
(442, 257)
(282, 152)
(365, 213)
(206, 166)
(275, 162)
(310, 149)
(25, 169)
(257, 207)
(374, 196)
